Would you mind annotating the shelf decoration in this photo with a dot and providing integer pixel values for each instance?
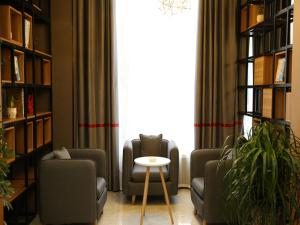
(18, 63)
(280, 68)
(260, 14)
(28, 30)
(30, 109)
(255, 17)
(12, 110)
(279, 78)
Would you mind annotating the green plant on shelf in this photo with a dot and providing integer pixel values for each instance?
(262, 186)
(6, 190)
(12, 102)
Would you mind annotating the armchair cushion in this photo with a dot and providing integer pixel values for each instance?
(139, 173)
(198, 186)
(61, 154)
(101, 185)
(151, 145)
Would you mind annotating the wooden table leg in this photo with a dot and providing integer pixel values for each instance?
(145, 195)
(133, 199)
(166, 193)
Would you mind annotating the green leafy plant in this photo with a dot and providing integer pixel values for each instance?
(263, 183)
(5, 185)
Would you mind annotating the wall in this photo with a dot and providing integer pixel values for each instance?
(295, 97)
(62, 50)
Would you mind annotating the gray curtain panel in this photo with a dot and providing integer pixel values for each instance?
(95, 82)
(216, 76)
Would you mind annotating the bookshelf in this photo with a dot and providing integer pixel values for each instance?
(265, 59)
(26, 90)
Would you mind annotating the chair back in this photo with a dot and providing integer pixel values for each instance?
(137, 148)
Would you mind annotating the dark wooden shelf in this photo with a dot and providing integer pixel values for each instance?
(266, 25)
(6, 121)
(269, 38)
(22, 133)
(286, 85)
(19, 188)
(285, 10)
(258, 116)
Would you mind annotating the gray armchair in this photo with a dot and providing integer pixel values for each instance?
(134, 175)
(72, 190)
(207, 185)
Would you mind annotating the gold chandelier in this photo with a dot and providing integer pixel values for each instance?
(174, 6)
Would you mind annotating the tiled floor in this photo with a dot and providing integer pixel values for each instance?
(118, 210)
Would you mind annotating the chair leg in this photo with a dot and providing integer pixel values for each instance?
(133, 199)
(195, 211)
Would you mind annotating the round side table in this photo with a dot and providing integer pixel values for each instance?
(153, 161)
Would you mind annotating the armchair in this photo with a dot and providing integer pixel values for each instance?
(72, 190)
(207, 186)
(134, 175)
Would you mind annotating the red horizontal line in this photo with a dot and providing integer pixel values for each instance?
(96, 125)
(225, 125)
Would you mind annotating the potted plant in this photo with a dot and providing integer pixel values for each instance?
(263, 183)
(260, 14)
(5, 186)
(12, 110)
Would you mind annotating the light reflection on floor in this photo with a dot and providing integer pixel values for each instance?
(118, 210)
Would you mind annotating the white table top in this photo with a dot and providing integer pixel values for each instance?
(152, 161)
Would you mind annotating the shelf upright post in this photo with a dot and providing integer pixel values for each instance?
(247, 55)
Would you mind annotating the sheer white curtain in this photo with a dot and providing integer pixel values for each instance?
(156, 68)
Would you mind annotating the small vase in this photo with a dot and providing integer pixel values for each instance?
(12, 113)
(260, 18)
(260, 14)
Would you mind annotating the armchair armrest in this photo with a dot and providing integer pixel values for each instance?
(173, 155)
(127, 164)
(61, 182)
(98, 156)
(200, 157)
(215, 171)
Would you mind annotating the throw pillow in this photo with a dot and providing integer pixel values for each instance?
(62, 154)
(151, 145)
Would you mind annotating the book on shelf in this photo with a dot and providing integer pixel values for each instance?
(17, 68)
(27, 32)
(30, 104)
(280, 70)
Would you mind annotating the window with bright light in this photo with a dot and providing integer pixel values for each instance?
(156, 71)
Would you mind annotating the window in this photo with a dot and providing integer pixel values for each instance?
(156, 69)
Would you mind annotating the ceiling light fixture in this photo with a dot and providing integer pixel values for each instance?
(174, 6)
